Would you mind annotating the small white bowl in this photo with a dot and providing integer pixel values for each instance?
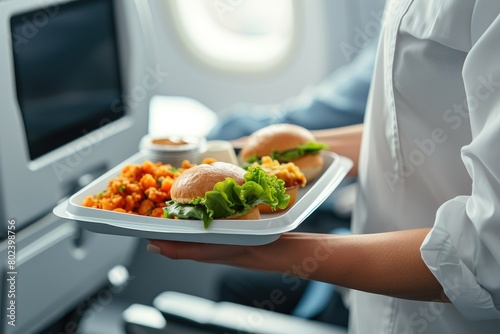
(221, 150)
(173, 150)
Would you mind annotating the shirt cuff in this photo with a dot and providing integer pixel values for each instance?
(440, 253)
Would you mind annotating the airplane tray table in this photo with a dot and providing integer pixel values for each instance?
(239, 232)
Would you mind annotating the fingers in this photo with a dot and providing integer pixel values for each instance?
(239, 142)
(211, 253)
(176, 250)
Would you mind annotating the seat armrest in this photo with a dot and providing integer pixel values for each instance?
(225, 317)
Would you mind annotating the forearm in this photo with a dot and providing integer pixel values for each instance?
(384, 263)
(345, 141)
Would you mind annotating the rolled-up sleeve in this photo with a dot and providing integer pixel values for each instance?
(463, 248)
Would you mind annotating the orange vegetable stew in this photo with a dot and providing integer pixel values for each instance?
(139, 189)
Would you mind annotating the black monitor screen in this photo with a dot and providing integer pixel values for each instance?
(67, 72)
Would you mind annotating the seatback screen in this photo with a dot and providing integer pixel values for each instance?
(67, 72)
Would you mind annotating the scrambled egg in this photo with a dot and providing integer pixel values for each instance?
(288, 172)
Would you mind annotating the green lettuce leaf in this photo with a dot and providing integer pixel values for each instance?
(307, 148)
(290, 155)
(185, 211)
(228, 198)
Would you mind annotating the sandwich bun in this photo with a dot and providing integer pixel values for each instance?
(253, 214)
(283, 137)
(311, 165)
(197, 180)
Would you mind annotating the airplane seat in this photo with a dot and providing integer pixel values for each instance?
(76, 78)
(174, 312)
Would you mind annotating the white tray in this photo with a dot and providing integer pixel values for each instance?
(240, 232)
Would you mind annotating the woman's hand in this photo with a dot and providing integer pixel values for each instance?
(385, 263)
(209, 253)
(278, 256)
(239, 142)
(344, 141)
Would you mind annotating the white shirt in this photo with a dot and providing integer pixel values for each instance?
(431, 158)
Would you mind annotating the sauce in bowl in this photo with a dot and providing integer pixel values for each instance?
(167, 141)
(173, 150)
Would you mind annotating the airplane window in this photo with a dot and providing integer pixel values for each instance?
(236, 35)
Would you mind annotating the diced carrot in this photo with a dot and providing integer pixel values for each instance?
(89, 201)
(148, 167)
(145, 207)
(147, 181)
(166, 184)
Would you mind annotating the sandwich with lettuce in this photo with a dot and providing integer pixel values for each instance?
(224, 191)
(285, 143)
